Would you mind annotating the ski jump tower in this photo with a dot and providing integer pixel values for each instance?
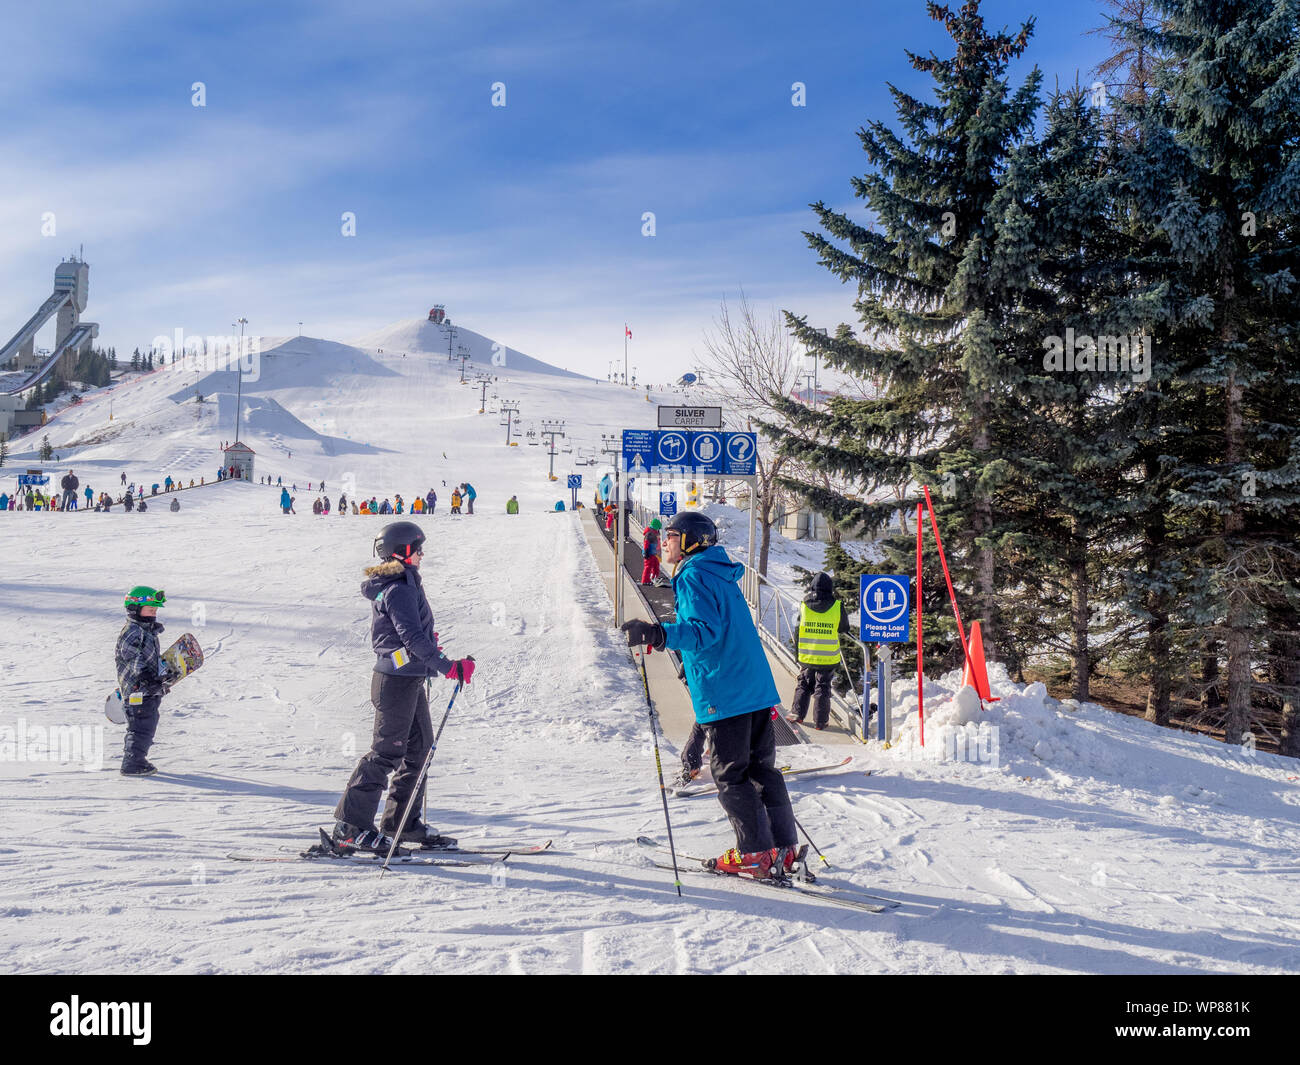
(72, 336)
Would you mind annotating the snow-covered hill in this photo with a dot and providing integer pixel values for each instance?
(1034, 836)
(421, 336)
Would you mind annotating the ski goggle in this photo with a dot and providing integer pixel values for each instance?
(159, 598)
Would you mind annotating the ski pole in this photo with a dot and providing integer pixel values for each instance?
(810, 842)
(428, 695)
(663, 792)
(428, 759)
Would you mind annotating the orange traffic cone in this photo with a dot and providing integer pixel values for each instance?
(980, 681)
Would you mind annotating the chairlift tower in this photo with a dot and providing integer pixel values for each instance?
(509, 407)
(552, 429)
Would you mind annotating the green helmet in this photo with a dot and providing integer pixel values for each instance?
(142, 595)
(655, 523)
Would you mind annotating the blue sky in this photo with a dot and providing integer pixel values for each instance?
(525, 220)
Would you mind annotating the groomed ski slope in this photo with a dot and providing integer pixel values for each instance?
(1079, 841)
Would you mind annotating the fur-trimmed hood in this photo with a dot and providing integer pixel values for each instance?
(391, 568)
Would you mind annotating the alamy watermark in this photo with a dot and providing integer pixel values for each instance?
(979, 745)
(58, 744)
(1102, 354)
(211, 354)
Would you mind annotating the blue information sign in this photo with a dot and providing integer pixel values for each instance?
(640, 451)
(884, 608)
(741, 452)
(575, 480)
(685, 451)
(33, 479)
(667, 504)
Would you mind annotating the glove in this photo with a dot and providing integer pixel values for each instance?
(650, 633)
(463, 669)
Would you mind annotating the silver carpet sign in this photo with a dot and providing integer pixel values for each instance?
(690, 417)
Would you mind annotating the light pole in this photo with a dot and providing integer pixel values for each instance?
(239, 372)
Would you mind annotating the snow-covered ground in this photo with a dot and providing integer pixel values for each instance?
(1032, 837)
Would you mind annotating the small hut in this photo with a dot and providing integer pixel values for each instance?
(240, 458)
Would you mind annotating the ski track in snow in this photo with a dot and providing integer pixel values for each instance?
(1097, 844)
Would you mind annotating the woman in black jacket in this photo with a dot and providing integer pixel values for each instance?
(406, 653)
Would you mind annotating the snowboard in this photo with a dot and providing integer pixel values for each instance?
(180, 660)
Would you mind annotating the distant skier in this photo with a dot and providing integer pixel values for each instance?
(285, 501)
(176, 505)
(650, 551)
(70, 484)
(455, 500)
(406, 652)
(140, 677)
(817, 648)
(512, 505)
(470, 496)
(732, 692)
(431, 501)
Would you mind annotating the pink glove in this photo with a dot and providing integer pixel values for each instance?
(462, 670)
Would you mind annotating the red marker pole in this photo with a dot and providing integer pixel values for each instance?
(961, 632)
(920, 679)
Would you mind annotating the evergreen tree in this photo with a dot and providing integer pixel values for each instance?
(135, 359)
(932, 321)
(47, 450)
(4, 448)
(1218, 174)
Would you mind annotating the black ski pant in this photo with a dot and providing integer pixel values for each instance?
(814, 680)
(141, 724)
(750, 787)
(401, 741)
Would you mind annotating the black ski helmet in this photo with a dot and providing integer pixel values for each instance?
(400, 540)
(697, 530)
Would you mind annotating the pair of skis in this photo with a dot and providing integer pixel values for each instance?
(327, 850)
(806, 884)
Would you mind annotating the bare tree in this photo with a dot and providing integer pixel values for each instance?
(750, 356)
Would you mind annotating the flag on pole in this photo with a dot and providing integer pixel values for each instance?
(626, 330)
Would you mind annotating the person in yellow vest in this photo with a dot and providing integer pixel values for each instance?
(817, 647)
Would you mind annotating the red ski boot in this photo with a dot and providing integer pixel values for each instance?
(785, 861)
(757, 865)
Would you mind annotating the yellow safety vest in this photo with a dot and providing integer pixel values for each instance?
(819, 635)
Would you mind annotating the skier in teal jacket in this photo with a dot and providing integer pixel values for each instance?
(732, 693)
